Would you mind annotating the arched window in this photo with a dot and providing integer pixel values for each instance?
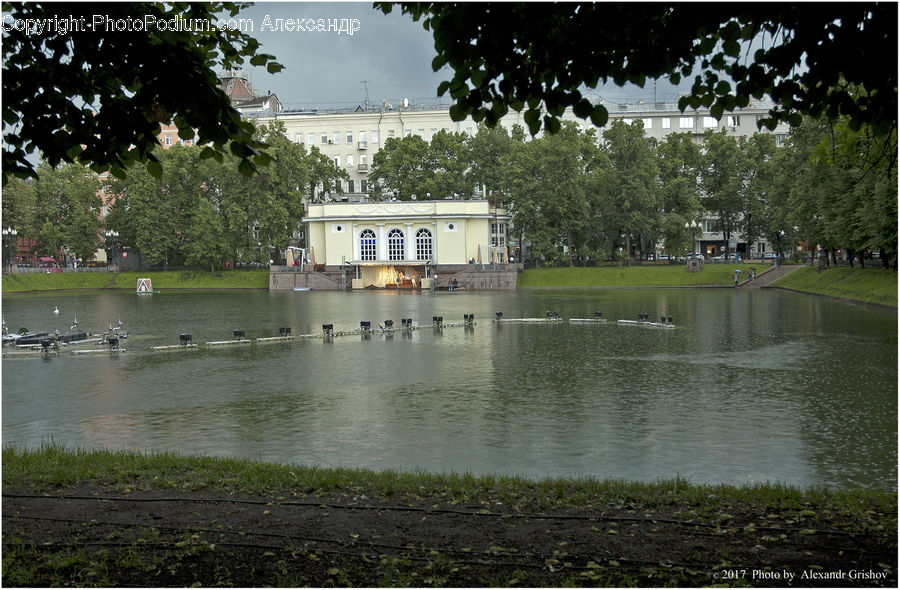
(367, 245)
(395, 244)
(423, 244)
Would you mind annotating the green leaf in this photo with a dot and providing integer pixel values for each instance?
(438, 62)
(457, 112)
(155, 169)
(583, 108)
(551, 124)
(599, 116)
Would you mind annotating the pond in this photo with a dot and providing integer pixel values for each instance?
(750, 386)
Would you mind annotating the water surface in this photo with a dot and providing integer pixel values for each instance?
(751, 386)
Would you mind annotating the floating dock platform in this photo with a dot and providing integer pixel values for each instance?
(98, 351)
(644, 324)
(529, 320)
(175, 347)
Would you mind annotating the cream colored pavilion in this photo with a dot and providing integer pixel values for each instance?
(404, 243)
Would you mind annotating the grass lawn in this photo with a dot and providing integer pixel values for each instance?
(237, 279)
(23, 283)
(634, 276)
(197, 279)
(871, 285)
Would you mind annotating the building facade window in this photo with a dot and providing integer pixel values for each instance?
(336, 138)
(710, 123)
(363, 186)
(685, 122)
(312, 138)
(299, 138)
(734, 120)
(498, 240)
(350, 161)
(395, 244)
(424, 249)
(648, 123)
(350, 137)
(628, 121)
(324, 138)
(350, 186)
(337, 161)
(367, 245)
(374, 137)
(666, 122)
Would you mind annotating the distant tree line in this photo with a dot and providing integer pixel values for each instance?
(201, 211)
(573, 197)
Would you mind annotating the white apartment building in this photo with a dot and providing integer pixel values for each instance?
(351, 138)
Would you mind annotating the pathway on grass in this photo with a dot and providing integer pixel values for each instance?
(112, 282)
(769, 276)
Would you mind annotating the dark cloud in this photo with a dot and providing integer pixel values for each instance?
(390, 52)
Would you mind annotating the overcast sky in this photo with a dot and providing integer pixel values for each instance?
(391, 53)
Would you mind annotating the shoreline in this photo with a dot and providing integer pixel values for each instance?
(169, 281)
(117, 518)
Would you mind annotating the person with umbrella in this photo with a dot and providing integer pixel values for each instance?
(737, 276)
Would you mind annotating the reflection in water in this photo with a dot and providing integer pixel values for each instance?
(750, 386)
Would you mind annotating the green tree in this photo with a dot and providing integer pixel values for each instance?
(204, 238)
(97, 94)
(631, 207)
(548, 187)
(206, 212)
(65, 211)
(539, 57)
(150, 214)
(402, 166)
(722, 180)
(758, 185)
(449, 159)
(489, 150)
(678, 165)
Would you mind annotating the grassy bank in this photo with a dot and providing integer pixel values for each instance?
(634, 276)
(237, 279)
(870, 285)
(99, 518)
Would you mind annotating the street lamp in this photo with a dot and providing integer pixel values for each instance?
(12, 233)
(112, 237)
(693, 226)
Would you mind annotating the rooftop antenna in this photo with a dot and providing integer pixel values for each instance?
(365, 84)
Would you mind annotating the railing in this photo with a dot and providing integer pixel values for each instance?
(362, 145)
(33, 270)
(362, 168)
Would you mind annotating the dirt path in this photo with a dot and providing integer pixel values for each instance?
(91, 535)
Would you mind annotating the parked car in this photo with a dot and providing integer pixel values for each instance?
(48, 264)
(770, 256)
